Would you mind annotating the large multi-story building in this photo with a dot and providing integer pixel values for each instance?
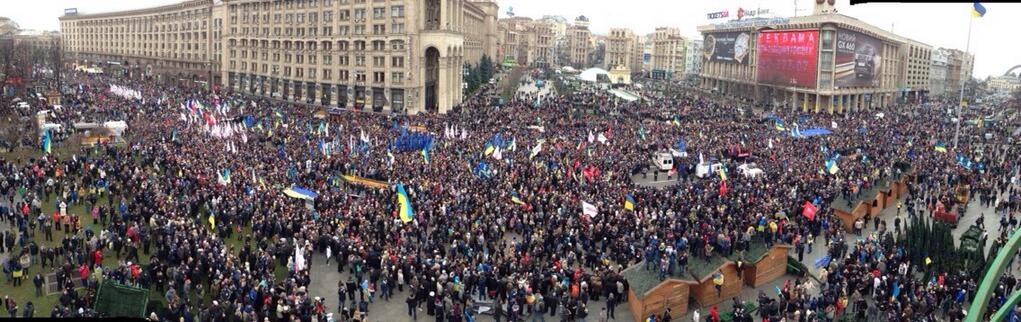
(916, 59)
(175, 41)
(558, 42)
(693, 58)
(938, 73)
(512, 39)
(959, 68)
(668, 52)
(400, 55)
(579, 43)
(621, 44)
(821, 62)
(1005, 83)
(525, 41)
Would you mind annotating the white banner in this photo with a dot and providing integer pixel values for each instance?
(589, 209)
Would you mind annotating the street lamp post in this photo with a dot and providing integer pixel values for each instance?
(960, 103)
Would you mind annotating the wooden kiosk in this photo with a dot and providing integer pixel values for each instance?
(672, 293)
(771, 266)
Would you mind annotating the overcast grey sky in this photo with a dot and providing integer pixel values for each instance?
(939, 25)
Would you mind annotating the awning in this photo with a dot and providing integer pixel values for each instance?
(300, 193)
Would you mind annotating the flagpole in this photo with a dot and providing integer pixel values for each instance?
(964, 60)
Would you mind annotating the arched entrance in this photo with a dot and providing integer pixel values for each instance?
(432, 78)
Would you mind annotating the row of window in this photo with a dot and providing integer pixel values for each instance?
(295, 4)
(343, 45)
(326, 73)
(376, 29)
(343, 60)
(313, 17)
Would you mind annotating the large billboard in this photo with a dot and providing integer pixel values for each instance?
(857, 62)
(731, 47)
(787, 57)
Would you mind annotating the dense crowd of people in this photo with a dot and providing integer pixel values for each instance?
(498, 197)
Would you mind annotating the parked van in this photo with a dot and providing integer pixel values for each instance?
(706, 169)
(663, 161)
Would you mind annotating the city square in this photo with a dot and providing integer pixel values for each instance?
(492, 160)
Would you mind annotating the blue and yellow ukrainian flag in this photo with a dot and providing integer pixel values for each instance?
(940, 147)
(425, 155)
(779, 126)
(516, 199)
(404, 204)
(831, 166)
(629, 202)
(978, 10)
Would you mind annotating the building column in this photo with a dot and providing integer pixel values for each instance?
(795, 101)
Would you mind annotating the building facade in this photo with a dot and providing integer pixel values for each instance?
(668, 53)
(579, 43)
(525, 41)
(621, 44)
(693, 58)
(938, 72)
(174, 41)
(400, 55)
(1005, 83)
(821, 62)
(959, 68)
(916, 59)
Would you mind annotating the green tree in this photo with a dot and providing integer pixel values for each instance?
(485, 68)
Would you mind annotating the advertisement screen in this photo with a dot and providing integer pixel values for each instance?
(787, 57)
(729, 47)
(857, 62)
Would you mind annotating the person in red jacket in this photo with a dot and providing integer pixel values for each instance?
(97, 258)
(714, 314)
(83, 273)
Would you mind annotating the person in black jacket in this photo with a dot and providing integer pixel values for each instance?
(38, 281)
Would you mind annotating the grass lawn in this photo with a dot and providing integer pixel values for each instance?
(26, 292)
(43, 304)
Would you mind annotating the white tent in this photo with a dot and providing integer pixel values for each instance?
(592, 74)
